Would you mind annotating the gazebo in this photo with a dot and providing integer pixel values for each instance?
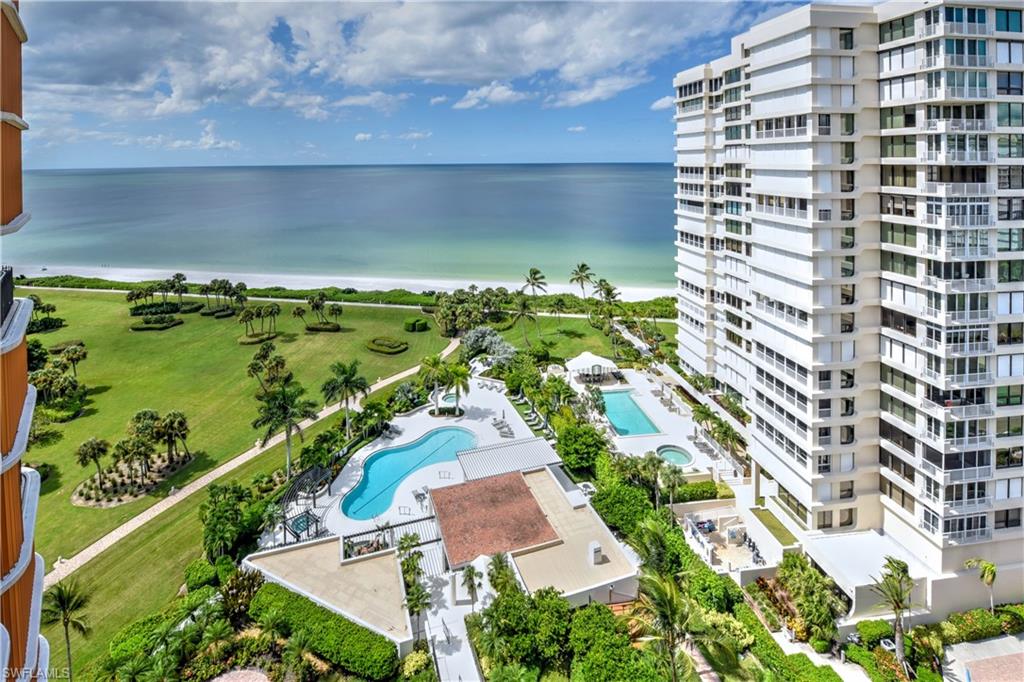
(590, 368)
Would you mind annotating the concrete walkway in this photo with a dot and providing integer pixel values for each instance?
(66, 567)
(989, 660)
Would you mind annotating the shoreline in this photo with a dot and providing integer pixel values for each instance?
(315, 281)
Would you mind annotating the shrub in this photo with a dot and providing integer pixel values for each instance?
(156, 323)
(387, 345)
(200, 573)
(579, 445)
(415, 324)
(335, 639)
(926, 674)
(796, 667)
(821, 646)
(225, 568)
(967, 626)
(44, 324)
(212, 310)
(415, 663)
(621, 506)
(1012, 618)
(692, 492)
(156, 308)
(728, 630)
(224, 313)
(323, 327)
(60, 347)
(873, 631)
(134, 639)
(190, 307)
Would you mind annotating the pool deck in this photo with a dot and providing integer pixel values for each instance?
(481, 406)
(675, 427)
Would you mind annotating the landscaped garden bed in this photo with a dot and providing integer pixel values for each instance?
(387, 345)
(156, 323)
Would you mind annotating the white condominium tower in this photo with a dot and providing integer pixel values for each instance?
(850, 237)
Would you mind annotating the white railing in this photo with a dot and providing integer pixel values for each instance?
(970, 442)
(959, 188)
(962, 411)
(958, 92)
(956, 60)
(781, 366)
(969, 28)
(959, 285)
(978, 251)
(968, 316)
(794, 320)
(956, 124)
(958, 156)
(970, 378)
(960, 220)
(966, 536)
(780, 132)
(969, 504)
(970, 348)
(781, 211)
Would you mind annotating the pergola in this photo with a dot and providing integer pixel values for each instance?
(589, 367)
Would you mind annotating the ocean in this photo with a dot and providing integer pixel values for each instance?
(375, 224)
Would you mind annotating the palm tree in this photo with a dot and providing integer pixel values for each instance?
(987, 575)
(335, 310)
(93, 450)
(374, 416)
(650, 541)
(216, 635)
(472, 580)
(64, 604)
(300, 313)
(432, 370)
(299, 647)
(522, 312)
(344, 384)
(582, 275)
(650, 467)
(246, 317)
(457, 379)
(136, 669)
(665, 614)
(894, 589)
(74, 355)
(272, 311)
(284, 408)
(417, 600)
(274, 625)
(558, 307)
(673, 478)
(500, 574)
(174, 426)
(535, 281)
(703, 415)
(511, 672)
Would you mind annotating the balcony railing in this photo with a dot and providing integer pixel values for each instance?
(947, 476)
(960, 410)
(960, 285)
(959, 189)
(976, 60)
(780, 132)
(958, 92)
(956, 124)
(969, 316)
(985, 220)
(781, 211)
(958, 156)
(958, 252)
(962, 537)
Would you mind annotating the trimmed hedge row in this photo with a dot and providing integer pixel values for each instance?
(156, 323)
(323, 327)
(335, 639)
(415, 324)
(795, 667)
(387, 345)
(60, 347)
(200, 573)
(164, 308)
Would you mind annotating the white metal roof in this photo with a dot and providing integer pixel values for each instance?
(522, 454)
(587, 361)
(855, 559)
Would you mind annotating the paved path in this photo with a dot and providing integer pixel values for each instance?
(989, 660)
(69, 566)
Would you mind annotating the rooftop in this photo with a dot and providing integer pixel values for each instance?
(521, 454)
(489, 515)
(366, 590)
(855, 559)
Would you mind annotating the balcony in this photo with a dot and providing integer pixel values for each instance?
(958, 409)
(985, 220)
(969, 316)
(959, 285)
(954, 125)
(781, 211)
(970, 442)
(963, 537)
(947, 476)
(780, 132)
(946, 60)
(958, 156)
(958, 252)
(960, 189)
(959, 92)
(689, 177)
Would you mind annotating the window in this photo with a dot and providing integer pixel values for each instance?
(902, 235)
(1010, 458)
(1010, 395)
(1009, 52)
(1011, 271)
(824, 519)
(904, 28)
(1010, 83)
(1010, 208)
(845, 490)
(1010, 177)
(1010, 114)
(1010, 146)
(734, 132)
(1010, 333)
(1008, 518)
(1006, 20)
(846, 39)
(1009, 427)
(846, 517)
(899, 263)
(898, 117)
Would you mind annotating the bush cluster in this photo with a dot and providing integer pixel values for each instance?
(323, 327)
(216, 310)
(873, 631)
(200, 573)
(387, 345)
(60, 347)
(156, 323)
(415, 324)
(795, 667)
(338, 640)
(44, 324)
(694, 492)
(156, 308)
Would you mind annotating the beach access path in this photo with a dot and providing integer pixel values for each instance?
(66, 567)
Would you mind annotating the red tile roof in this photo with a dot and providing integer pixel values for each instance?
(487, 516)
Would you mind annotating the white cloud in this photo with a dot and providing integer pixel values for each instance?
(576, 129)
(662, 103)
(381, 101)
(595, 91)
(60, 131)
(415, 135)
(440, 99)
(363, 137)
(492, 93)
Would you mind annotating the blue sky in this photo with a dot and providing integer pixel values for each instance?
(213, 83)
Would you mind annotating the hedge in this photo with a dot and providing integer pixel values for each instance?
(873, 631)
(156, 323)
(387, 345)
(223, 314)
(694, 492)
(58, 348)
(796, 667)
(157, 308)
(134, 639)
(621, 506)
(44, 324)
(323, 327)
(213, 311)
(415, 324)
(338, 640)
(200, 573)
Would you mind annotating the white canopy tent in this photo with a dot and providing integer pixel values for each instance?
(590, 365)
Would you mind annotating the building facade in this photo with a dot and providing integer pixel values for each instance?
(850, 266)
(24, 654)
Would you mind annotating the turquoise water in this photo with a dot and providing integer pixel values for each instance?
(448, 399)
(675, 456)
(627, 418)
(464, 222)
(384, 471)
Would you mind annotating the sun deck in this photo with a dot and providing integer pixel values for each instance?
(366, 590)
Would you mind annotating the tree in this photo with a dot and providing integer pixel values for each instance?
(650, 467)
(536, 281)
(216, 635)
(650, 541)
(522, 312)
(472, 580)
(500, 574)
(375, 416)
(284, 409)
(410, 557)
(457, 379)
(335, 311)
(174, 429)
(344, 384)
(299, 647)
(582, 275)
(93, 450)
(673, 478)
(579, 445)
(417, 600)
(558, 306)
(65, 604)
(74, 355)
(300, 313)
(511, 672)
(246, 317)
(894, 589)
(703, 415)
(987, 575)
(432, 370)
(274, 625)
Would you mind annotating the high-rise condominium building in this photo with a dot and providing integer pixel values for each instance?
(850, 237)
(24, 654)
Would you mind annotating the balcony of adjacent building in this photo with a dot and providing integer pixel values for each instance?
(959, 467)
(959, 189)
(979, 220)
(958, 252)
(955, 125)
(951, 317)
(960, 28)
(951, 156)
(960, 442)
(981, 61)
(958, 92)
(956, 405)
(964, 379)
(960, 286)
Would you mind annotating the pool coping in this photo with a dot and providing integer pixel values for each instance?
(380, 450)
(633, 391)
(680, 448)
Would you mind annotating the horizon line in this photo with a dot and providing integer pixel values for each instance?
(360, 165)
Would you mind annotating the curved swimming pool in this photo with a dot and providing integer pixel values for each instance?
(675, 455)
(384, 471)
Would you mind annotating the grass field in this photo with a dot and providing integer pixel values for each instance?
(570, 336)
(142, 572)
(197, 368)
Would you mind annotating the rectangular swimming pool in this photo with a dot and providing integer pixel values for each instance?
(627, 418)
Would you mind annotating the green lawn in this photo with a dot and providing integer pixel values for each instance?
(197, 368)
(570, 336)
(780, 532)
(142, 572)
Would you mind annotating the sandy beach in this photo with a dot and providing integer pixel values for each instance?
(307, 281)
